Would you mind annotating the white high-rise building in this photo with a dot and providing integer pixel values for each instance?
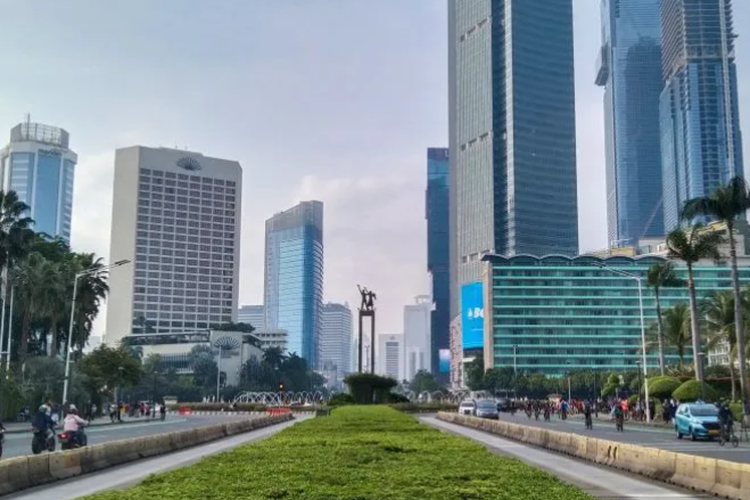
(388, 357)
(40, 167)
(336, 337)
(417, 348)
(254, 315)
(176, 217)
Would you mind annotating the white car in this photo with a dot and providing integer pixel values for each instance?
(468, 407)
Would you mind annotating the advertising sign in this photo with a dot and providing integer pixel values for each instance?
(445, 361)
(472, 316)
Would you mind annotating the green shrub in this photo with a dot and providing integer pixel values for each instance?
(424, 407)
(394, 398)
(368, 388)
(662, 387)
(692, 390)
(341, 399)
(358, 452)
(239, 407)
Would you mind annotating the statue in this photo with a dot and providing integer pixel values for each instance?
(368, 299)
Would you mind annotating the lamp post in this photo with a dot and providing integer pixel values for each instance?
(515, 360)
(639, 280)
(92, 271)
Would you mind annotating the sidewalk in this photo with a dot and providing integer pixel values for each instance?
(22, 427)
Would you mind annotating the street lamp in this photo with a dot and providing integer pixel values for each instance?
(92, 271)
(638, 279)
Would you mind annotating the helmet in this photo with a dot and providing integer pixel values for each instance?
(72, 408)
(43, 409)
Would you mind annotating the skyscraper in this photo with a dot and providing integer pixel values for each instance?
(294, 276)
(629, 69)
(512, 132)
(388, 357)
(336, 337)
(255, 315)
(438, 249)
(176, 216)
(700, 127)
(39, 165)
(417, 345)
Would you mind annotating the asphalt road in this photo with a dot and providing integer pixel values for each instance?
(600, 482)
(127, 475)
(664, 439)
(20, 444)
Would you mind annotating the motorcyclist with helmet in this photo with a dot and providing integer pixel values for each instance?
(43, 422)
(74, 425)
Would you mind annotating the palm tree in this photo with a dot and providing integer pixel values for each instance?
(29, 278)
(726, 204)
(274, 356)
(661, 275)
(92, 291)
(692, 245)
(677, 329)
(718, 313)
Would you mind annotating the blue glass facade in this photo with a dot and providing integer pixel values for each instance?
(699, 113)
(512, 132)
(294, 277)
(438, 248)
(629, 69)
(568, 314)
(38, 165)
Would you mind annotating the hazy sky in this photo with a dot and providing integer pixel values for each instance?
(335, 100)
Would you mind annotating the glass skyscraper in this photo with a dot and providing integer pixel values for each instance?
(39, 165)
(700, 127)
(294, 277)
(438, 248)
(512, 132)
(629, 69)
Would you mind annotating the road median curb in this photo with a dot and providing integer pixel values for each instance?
(709, 475)
(20, 473)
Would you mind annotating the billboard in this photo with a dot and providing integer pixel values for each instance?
(445, 361)
(472, 316)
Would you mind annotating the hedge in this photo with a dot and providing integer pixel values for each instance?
(662, 387)
(692, 390)
(239, 407)
(359, 452)
(424, 407)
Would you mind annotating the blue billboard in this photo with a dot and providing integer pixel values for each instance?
(472, 316)
(445, 361)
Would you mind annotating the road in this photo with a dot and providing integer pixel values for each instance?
(20, 444)
(127, 475)
(599, 482)
(664, 439)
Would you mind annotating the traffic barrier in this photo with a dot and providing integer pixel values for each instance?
(718, 477)
(24, 472)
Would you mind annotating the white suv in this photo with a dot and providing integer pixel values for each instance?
(468, 407)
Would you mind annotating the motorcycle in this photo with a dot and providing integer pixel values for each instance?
(40, 442)
(71, 440)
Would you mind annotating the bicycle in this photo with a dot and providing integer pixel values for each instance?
(728, 436)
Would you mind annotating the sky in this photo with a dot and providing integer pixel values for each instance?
(334, 100)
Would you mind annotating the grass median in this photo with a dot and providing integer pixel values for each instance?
(358, 453)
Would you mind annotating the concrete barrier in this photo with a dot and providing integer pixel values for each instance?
(25, 472)
(717, 477)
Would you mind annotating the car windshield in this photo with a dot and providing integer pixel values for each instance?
(704, 411)
(467, 404)
(486, 405)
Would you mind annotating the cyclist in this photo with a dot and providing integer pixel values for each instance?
(619, 415)
(726, 419)
(587, 415)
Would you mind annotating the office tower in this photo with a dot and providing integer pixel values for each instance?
(39, 165)
(388, 358)
(294, 276)
(629, 69)
(438, 250)
(417, 341)
(700, 127)
(254, 315)
(176, 217)
(512, 132)
(336, 337)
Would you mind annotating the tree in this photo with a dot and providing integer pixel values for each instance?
(677, 330)
(108, 369)
(692, 245)
(423, 381)
(233, 327)
(474, 374)
(203, 364)
(29, 279)
(718, 310)
(661, 275)
(726, 204)
(499, 379)
(275, 357)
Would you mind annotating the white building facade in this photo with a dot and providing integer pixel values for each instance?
(176, 217)
(389, 354)
(253, 315)
(417, 345)
(39, 166)
(336, 338)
